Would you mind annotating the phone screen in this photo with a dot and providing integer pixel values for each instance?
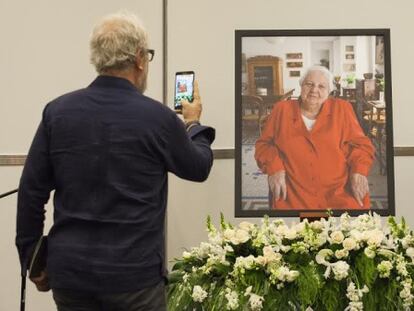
(184, 87)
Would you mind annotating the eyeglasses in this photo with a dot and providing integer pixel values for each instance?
(311, 85)
(151, 54)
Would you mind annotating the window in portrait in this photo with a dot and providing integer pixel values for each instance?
(318, 141)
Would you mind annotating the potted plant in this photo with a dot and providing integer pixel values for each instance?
(350, 80)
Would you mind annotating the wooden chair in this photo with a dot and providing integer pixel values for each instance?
(252, 111)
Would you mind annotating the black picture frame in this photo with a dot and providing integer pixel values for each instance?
(242, 207)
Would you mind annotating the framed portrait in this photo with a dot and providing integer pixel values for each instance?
(291, 163)
(294, 73)
(349, 67)
(293, 55)
(294, 64)
(349, 48)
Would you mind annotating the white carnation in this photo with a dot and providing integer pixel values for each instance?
(340, 270)
(232, 299)
(256, 302)
(384, 268)
(199, 294)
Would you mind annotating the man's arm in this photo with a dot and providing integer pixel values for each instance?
(35, 186)
(188, 154)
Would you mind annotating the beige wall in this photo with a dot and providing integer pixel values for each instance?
(45, 53)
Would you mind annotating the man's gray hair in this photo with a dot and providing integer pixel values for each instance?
(115, 41)
(328, 75)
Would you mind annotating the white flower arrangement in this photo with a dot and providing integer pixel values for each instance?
(344, 263)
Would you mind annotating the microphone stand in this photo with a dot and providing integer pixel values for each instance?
(3, 195)
(23, 284)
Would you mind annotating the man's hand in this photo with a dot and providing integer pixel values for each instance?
(41, 282)
(192, 111)
(277, 184)
(359, 186)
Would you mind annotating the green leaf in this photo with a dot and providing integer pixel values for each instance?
(308, 284)
(365, 270)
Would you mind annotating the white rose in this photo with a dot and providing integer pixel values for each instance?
(292, 275)
(281, 230)
(341, 253)
(228, 234)
(247, 226)
(240, 237)
(337, 237)
(349, 244)
(356, 235)
(407, 241)
(300, 227)
(260, 260)
(270, 254)
(375, 237)
(410, 252)
(290, 234)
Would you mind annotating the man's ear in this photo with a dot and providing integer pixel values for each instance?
(139, 60)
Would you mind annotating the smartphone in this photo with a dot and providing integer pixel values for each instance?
(184, 88)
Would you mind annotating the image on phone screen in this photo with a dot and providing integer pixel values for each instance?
(184, 88)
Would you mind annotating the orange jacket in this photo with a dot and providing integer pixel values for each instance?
(317, 162)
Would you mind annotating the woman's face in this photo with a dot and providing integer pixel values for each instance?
(315, 89)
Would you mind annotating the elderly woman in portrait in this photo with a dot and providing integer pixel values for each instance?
(314, 151)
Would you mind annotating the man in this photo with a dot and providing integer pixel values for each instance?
(106, 151)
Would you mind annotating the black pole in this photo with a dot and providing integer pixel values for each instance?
(8, 193)
(23, 294)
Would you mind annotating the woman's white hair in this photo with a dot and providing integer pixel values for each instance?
(328, 75)
(115, 41)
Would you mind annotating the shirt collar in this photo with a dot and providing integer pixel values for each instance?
(113, 82)
(326, 109)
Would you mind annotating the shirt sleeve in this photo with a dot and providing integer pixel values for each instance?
(267, 154)
(35, 186)
(358, 148)
(188, 154)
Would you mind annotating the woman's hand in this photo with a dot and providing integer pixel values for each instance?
(359, 186)
(277, 184)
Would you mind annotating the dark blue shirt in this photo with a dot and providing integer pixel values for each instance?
(106, 151)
